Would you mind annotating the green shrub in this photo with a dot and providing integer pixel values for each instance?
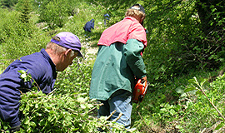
(66, 109)
(8, 3)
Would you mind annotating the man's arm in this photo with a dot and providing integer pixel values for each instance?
(132, 50)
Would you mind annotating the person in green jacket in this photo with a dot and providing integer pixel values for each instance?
(118, 63)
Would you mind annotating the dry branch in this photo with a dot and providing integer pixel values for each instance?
(118, 117)
(110, 115)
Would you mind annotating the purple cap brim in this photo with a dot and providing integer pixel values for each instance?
(69, 40)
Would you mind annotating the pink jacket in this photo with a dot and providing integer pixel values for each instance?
(128, 28)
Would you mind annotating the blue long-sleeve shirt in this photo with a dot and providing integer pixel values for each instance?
(42, 70)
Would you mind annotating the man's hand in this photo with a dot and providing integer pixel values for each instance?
(143, 79)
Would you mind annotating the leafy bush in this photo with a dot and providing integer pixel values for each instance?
(66, 109)
(177, 47)
(56, 12)
(20, 38)
(200, 107)
(8, 3)
(177, 41)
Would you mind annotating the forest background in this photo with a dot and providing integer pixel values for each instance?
(184, 61)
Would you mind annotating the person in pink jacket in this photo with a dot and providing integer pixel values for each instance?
(118, 63)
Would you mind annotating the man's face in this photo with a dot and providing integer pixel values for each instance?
(66, 60)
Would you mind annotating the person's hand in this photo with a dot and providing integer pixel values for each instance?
(144, 79)
(14, 129)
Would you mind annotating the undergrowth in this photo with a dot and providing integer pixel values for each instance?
(173, 102)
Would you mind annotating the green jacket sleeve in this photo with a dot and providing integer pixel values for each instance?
(132, 50)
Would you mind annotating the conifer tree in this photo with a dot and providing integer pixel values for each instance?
(25, 7)
(8, 3)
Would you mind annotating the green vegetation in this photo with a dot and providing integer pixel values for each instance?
(184, 61)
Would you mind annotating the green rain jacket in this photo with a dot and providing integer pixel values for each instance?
(116, 67)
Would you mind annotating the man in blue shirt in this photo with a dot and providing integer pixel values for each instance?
(42, 66)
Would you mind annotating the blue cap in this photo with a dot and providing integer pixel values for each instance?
(68, 40)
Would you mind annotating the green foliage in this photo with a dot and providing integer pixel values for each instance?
(76, 23)
(56, 12)
(177, 42)
(199, 106)
(178, 46)
(53, 16)
(66, 109)
(207, 108)
(115, 8)
(167, 52)
(55, 113)
(26, 77)
(8, 3)
(78, 78)
(25, 7)
(16, 36)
